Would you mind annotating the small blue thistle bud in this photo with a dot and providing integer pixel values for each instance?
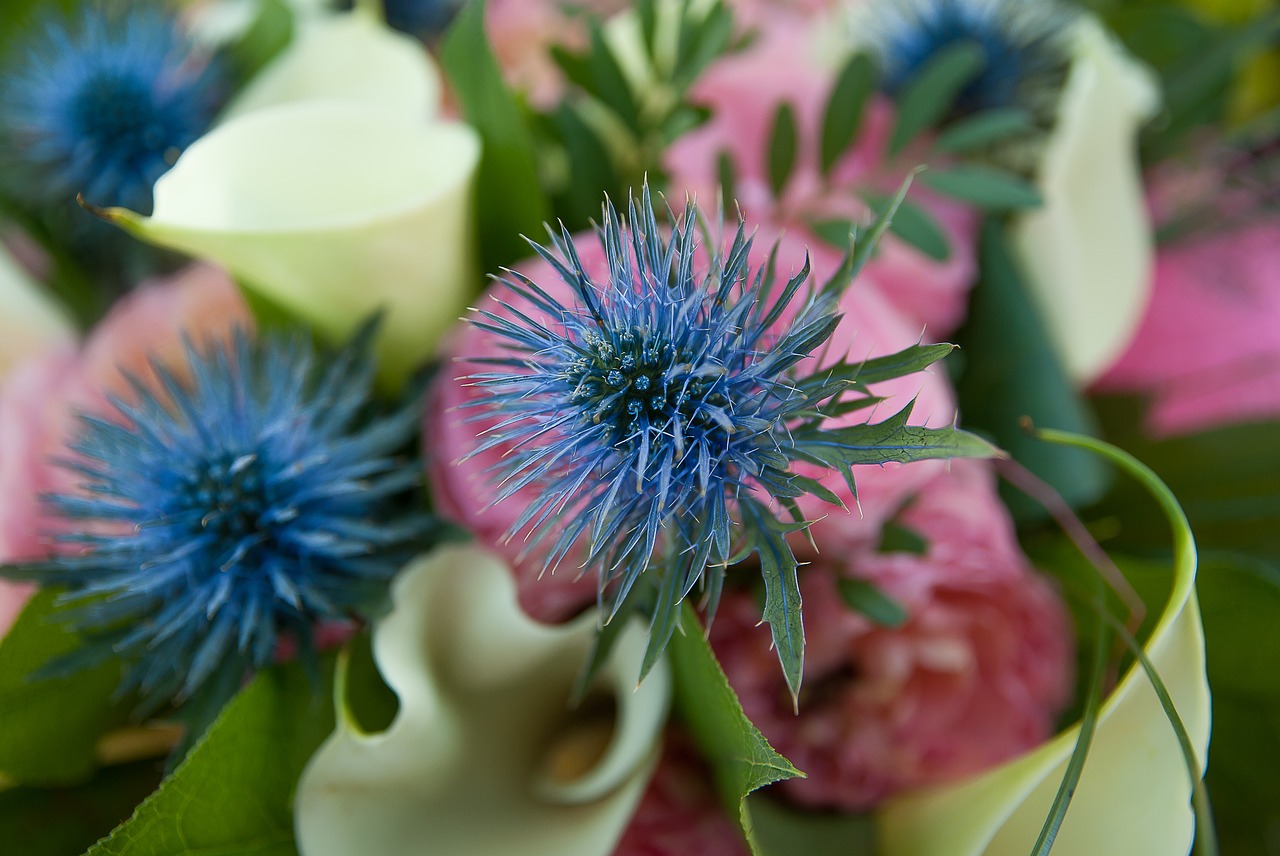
(216, 517)
(103, 106)
(661, 413)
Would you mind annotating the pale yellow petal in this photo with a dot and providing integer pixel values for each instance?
(31, 319)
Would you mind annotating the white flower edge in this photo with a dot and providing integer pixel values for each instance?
(1087, 251)
(332, 210)
(482, 690)
(32, 319)
(1134, 794)
(350, 57)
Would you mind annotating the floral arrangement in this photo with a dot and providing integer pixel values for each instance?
(531, 426)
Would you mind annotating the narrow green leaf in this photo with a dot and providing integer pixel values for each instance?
(983, 129)
(664, 617)
(864, 242)
(892, 440)
(916, 226)
(782, 148)
(985, 186)
(838, 232)
(710, 36)
(270, 32)
(782, 589)
(741, 760)
(927, 97)
(509, 201)
(609, 83)
(896, 538)
(864, 597)
(908, 361)
(843, 114)
(234, 791)
(728, 178)
(49, 728)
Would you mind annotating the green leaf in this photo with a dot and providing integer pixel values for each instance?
(865, 598)
(768, 539)
(896, 538)
(782, 148)
(784, 830)
(49, 728)
(18, 18)
(234, 791)
(270, 32)
(609, 83)
(916, 226)
(704, 36)
(843, 115)
(862, 243)
(983, 129)
(509, 201)
(985, 186)
(741, 760)
(727, 177)
(1012, 373)
(908, 361)
(927, 97)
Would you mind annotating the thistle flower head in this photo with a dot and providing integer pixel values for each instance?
(660, 413)
(1022, 44)
(104, 105)
(215, 516)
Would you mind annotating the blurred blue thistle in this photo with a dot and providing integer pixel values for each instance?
(1022, 42)
(216, 517)
(422, 19)
(659, 416)
(103, 105)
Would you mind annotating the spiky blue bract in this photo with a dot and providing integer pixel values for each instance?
(659, 415)
(1022, 44)
(102, 105)
(219, 514)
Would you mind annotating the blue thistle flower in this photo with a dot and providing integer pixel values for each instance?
(1021, 42)
(215, 517)
(104, 106)
(418, 18)
(660, 414)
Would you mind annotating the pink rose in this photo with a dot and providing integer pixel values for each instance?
(744, 92)
(680, 812)
(40, 398)
(1208, 350)
(463, 486)
(974, 677)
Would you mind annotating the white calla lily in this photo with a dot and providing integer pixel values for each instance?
(1088, 250)
(485, 755)
(352, 57)
(32, 320)
(1134, 794)
(332, 210)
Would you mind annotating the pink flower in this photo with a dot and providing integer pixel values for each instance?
(1208, 350)
(40, 398)
(680, 812)
(744, 92)
(974, 677)
(463, 487)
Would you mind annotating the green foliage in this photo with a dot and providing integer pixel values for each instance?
(270, 32)
(783, 830)
(234, 791)
(741, 760)
(928, 95)
(1011, 373)
(864, 597)
(986, 187)
(782, 148)
(983, 129)
(49, 727)
(915, 225)
(845, 107)
(509, 201)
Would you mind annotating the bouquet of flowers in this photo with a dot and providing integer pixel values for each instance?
(532, 426)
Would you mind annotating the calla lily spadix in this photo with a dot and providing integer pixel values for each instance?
(486, 755)
(1134, 794)
(32, 319)
(1088, 250)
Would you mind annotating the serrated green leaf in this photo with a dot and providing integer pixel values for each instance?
(741, 760)
(985, 186)
(1012, 373)
(864, 597)
(509, 201)
(892, 440)
(845, 106)
(781, 589)
(908, 361)
(783, 141)
(49, 728)
(913, 224)
(234, 791)
(927, 97)
(983, 129)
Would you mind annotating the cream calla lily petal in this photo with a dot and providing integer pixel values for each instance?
(1134, 794)
(332, 210)
(469, 766)
(31, 320)
(1087, 251)
(352, 57)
